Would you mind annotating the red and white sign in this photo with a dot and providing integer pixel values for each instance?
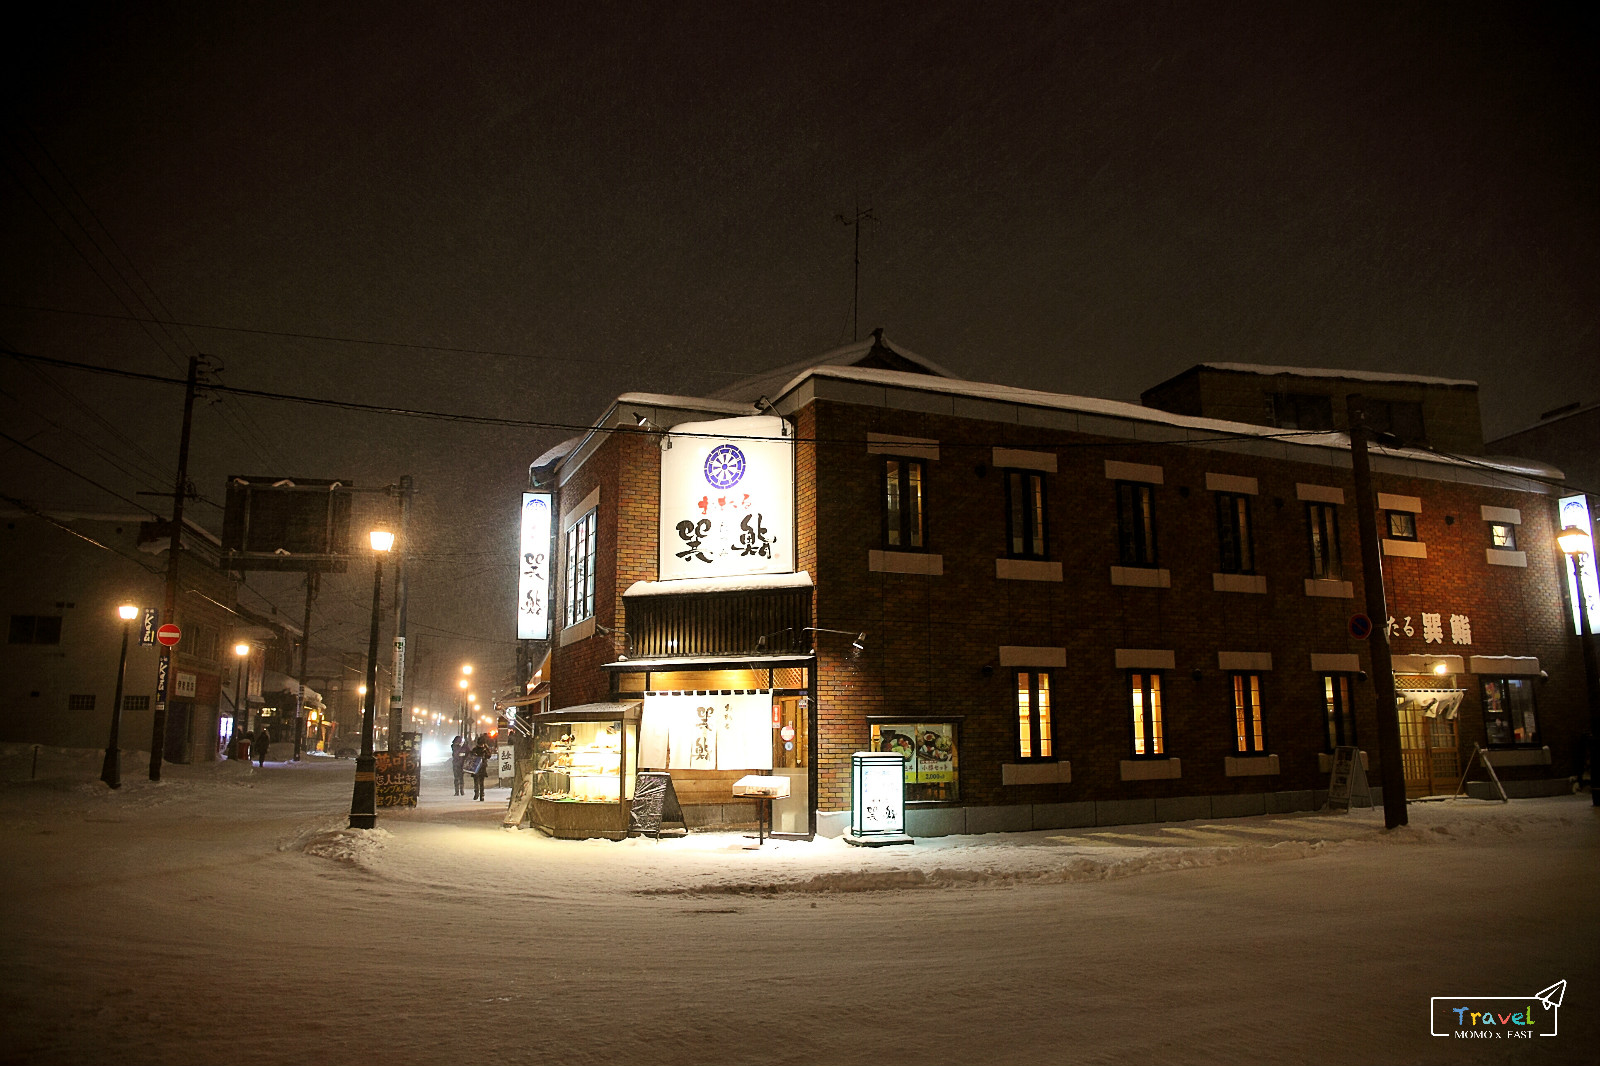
(168, 635)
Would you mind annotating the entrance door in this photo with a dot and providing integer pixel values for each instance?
(1428, 746)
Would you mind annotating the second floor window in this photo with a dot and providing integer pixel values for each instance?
(1149, 738)
(1402, 525)
(1026, 531)
(1033, 715)
(1234, 535)
(1503, 535)
(1136, 524)
(903, 522)
(1322, 520)
(580, 569)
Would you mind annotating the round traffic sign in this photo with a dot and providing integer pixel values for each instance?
(1360, 626)
(168, 635)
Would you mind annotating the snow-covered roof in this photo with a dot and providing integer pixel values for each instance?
(1347, 375)
(743, 583)
(560, 451)
(1138, 413)
(687, 403)
(674, 662)
(769, 382)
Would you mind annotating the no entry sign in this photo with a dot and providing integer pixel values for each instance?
(168, 635)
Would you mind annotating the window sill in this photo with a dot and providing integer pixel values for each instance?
(1506, 557)
(891, 562)
(1406, 549)
(1250, 765)
(1157, 769)
(1141, 577)
(1325, 762)
(1036, 773)
(1339, 590)
(578, 631)
(1525, 756)
(1027, 570)
(1239, 583)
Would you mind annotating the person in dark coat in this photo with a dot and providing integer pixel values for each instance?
(458, 764)
(260, 742)
(480, 751)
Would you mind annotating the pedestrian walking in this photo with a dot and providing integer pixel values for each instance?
(480, 766)
(262, 739)
(458, 764)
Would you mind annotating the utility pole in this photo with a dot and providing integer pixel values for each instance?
(305, 649)
(1392, 773)
(397, 694)
(158, 721)
(854, 221)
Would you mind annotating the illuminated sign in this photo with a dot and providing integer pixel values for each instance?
(727, 499)
(877, 799)
(1574, 511)
(533, 586)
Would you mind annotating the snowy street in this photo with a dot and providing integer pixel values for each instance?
(225, 915)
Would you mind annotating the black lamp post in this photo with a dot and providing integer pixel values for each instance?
(241, 712)
(111, 769)
(364, 798)
(1577, 544)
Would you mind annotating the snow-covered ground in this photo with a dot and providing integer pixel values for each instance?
(226, 915)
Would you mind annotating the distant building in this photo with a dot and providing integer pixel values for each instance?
(1060, 610)
(1440, 414)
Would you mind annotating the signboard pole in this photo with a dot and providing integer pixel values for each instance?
(397, 696)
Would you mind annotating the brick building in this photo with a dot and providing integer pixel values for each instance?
(1062, 610)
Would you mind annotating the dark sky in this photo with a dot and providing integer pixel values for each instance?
(1081, 197)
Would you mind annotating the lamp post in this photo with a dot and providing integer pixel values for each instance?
(466, 699)
(1578, 544)
(111, 769)
(364, 797)
(242, 650)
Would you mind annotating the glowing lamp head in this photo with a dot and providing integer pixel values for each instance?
(241, 649)
(382, 540)
(1574, 541)
(127, 612)
(361, 690)
(466, 668)
(462, 683)
(1441, 669)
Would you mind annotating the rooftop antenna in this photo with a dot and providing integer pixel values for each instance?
(861, 215)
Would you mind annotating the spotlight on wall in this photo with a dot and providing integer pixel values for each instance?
(858, 646)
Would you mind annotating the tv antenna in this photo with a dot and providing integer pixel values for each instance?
(862, 215)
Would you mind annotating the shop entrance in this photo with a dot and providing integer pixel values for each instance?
(1429, 745)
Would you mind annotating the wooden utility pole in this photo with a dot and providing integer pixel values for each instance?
(1392, 772)
(158, 722)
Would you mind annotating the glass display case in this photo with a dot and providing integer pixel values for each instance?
(585, 762)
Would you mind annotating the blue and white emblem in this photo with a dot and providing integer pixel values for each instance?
(724, 466)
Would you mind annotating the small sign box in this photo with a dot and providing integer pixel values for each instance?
(1348, 780)
(877, 799)
(762, 786)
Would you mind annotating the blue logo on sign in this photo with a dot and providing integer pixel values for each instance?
(724, 466)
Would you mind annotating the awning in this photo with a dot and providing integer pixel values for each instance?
(744, 583)
(540, 692)
(711, 662)
(592, 712)
(1428, 664)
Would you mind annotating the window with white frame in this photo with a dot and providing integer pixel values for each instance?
(1503, 535)
(1249, 732)
(580, 568)
(1149, 735)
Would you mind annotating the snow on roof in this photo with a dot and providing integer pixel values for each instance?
(764, 383)
(1138, 413)
(690, 403)
(1348, 375)
(560, 451)
(742, 583)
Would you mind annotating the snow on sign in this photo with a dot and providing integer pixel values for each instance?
(727, 498)
(168, 635)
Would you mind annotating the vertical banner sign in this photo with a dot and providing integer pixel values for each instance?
(727, 499)
(163, 673)
(398, 692)
(533, 586)
(150, 619)
(1574, 511)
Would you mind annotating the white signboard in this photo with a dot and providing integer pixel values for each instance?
(1574, 511)
(508, 759)
(706, 731)
(188, 686)
(877, 805)
(533, 586)
(727, 499)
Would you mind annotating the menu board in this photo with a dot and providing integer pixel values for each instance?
(929, 749)
(398, 777)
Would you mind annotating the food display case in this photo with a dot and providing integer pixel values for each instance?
(585, 760)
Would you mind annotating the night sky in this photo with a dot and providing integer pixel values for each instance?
(523, 210)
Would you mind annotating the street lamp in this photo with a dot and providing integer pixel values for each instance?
(111, 769)
(364, 797)
(1578, 544)
(466, 697)
(242, 650)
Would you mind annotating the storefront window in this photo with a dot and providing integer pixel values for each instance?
(930, 751)
(1508, 715)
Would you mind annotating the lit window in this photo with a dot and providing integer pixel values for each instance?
(1503, 535)
(1402, 525)
(903, 528)
(1508, 713)
(1341, 715)
(1248, 731)
(580, 568)
(1033, 716)
(1148, 738)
